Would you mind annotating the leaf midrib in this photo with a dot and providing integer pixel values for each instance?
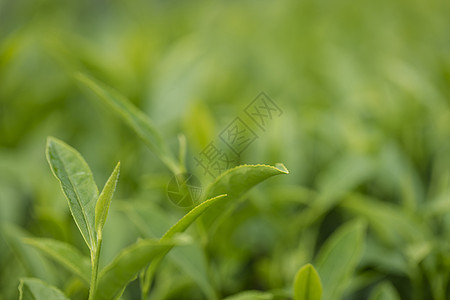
(91, 238)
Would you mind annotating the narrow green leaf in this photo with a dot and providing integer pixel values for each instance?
(133, 117)
(235, 182)
(67, 255)
(307, 285)
(191, 216)
(338, 258)
(104, 200)
(77, 183)
(125, 267)
(251, 295)
(153, 222)
(35, 289)
(179, 227)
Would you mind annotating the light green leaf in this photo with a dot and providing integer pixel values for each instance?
(67, 255)
(125, 267)
(307, 285)
(251, 295)
(191, 216)
(35, 289)
(77, 183)
(133, 117)
(384, 291)
(235, 182)
(238, 180)
(104, 200)
(338, 258)
(179, 227)
(151, 221)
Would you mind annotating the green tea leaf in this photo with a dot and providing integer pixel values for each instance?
(307, 285)
(152, 222)
(235, 182)
(104, 200)
(134, 118)
(384, 291)
(67, 255)
(251, 295)
(338, 258)
(191, 216)
(35, 289)
(179, 227)
(238, 180)
(77, 183)
(125, 267)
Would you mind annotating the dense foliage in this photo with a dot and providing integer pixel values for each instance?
(362, 95)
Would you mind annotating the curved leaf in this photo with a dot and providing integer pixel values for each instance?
(104, 200)
(67, 255)
(307, 285)
(77, 183)
(151, 221)
(191, 216)
(179, 227)
(235, 182)
(338, 258)
(133, 117)
(35, 289)
(125, 267)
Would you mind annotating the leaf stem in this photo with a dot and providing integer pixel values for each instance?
(95, 258)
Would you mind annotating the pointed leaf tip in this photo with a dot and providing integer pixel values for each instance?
(104, 200)
(307, 285)
(77, 184)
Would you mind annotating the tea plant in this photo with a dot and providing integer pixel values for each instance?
(365, 132)
(89, 210)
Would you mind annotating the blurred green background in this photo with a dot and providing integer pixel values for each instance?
(365, 132)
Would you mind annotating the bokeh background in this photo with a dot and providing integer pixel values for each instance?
(365, 132)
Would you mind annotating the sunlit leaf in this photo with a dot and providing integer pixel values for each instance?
(307, 285)
(104, 200)
(235, 182)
